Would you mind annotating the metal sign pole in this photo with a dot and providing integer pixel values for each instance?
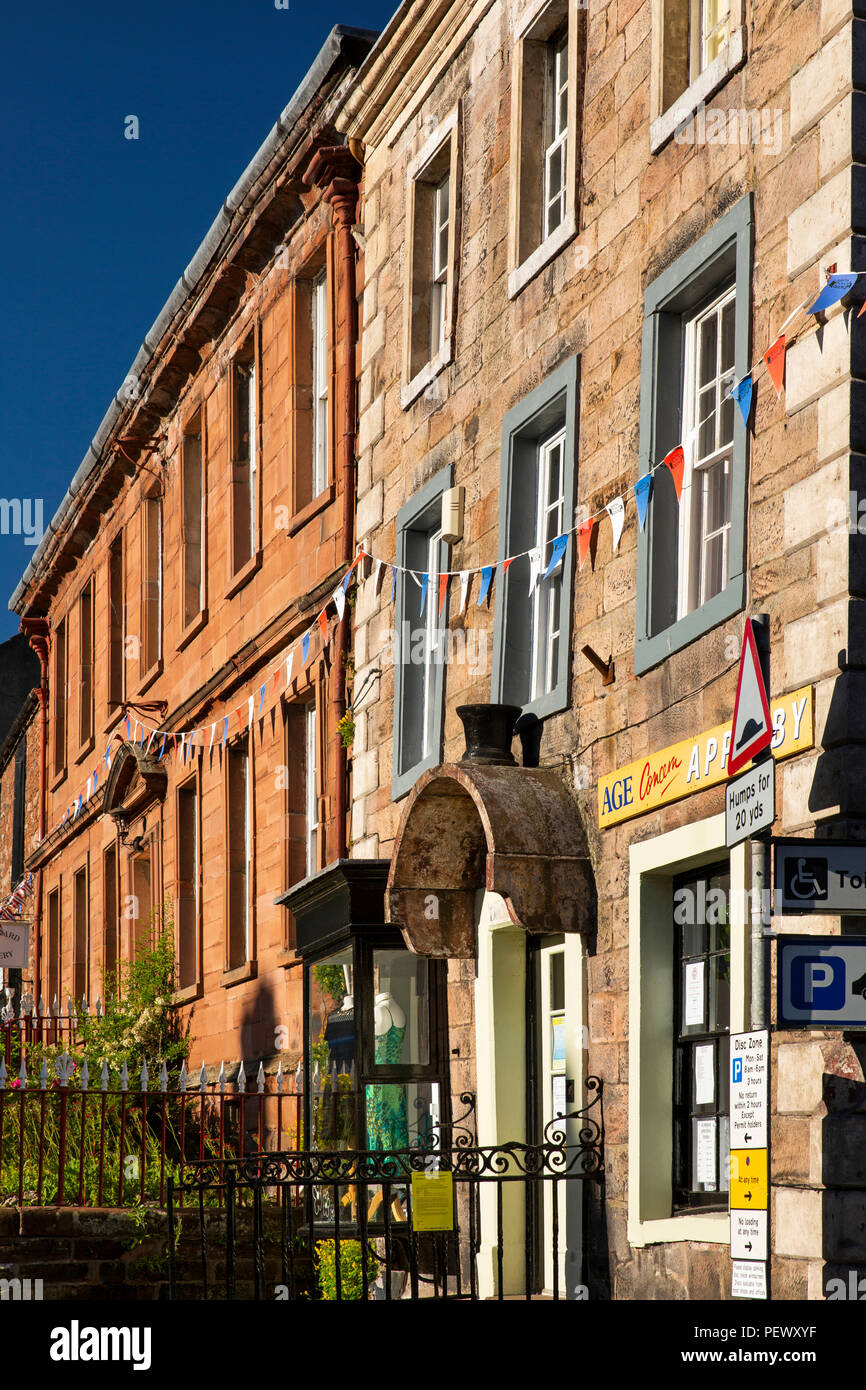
(760, 860)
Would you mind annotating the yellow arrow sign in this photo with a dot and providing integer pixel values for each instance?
(748, 1179)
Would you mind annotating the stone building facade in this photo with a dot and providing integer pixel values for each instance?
(554, 220)
(198, 541)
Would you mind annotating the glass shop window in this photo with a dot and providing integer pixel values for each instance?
(333, 1052)
(401, 1114)
(702, 994)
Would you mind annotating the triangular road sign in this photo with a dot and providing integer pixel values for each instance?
(752, 727)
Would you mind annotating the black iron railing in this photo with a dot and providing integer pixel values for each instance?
(451, 1220)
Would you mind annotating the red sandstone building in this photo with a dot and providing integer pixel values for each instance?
(204, 531)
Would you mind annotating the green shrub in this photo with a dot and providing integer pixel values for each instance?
(351, 1273)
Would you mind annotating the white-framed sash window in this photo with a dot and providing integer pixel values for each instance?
(557, 128)
(320, 384)
(547, 595)
(709, 29)
(310, 741)
(439, 265)
(705, 505)
(432, 644)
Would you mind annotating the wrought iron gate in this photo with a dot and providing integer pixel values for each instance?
(452, 1220)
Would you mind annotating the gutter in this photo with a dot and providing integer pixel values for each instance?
(343, 42)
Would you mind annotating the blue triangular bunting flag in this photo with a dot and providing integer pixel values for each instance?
(742, 394)
(486, 576)
(642, 490)
(261, 697)
(425, 580)
(835, 289)
(556, 557)
(305, 648)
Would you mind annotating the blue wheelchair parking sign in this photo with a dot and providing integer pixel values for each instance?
(737, 1069)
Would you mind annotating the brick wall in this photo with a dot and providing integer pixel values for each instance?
(210, 668)
(125, 1257)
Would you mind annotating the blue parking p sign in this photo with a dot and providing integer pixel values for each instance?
(822, 981)
(737, 1069)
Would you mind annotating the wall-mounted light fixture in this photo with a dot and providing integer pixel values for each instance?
(453, 502)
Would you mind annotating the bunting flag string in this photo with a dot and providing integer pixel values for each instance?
(183, 742)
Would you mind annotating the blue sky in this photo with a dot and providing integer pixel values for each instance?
(96, 229)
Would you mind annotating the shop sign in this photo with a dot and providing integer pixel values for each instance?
(697, 763)
(14, 942)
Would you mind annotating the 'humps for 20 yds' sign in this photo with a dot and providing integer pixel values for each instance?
(696, 763)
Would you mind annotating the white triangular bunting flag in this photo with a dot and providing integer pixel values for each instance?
(464, 589)
(250, 704)
(290, 661)
(339, 601)
(376, 572)
(212, 732)
(616, 512)
(534, 567)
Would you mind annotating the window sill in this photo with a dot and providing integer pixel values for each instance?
(311, 509)
(187, 994)
(542, 255)
(86, 749)
(703, 87)
(244, 575)
(412, 390)
(58, 779)
(149, 677)
(710, 1227)
(247, 971)
(192, 629)
(286, 955)
(652, 651)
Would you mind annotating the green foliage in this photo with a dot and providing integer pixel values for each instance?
(351, 1272)
(331, 981)
(71, 1135)
(140, 1025)
(346, 727)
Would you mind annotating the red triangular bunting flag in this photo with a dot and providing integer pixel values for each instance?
(507, 563)
(584, 538)
(240, 714)
(276, 677)
(862, 309)
(676, 462)
(443, 590)
(323, 624)
(775, 360)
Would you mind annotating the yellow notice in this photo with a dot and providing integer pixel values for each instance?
(432, 1202)
(748, 1179)
(696, 763)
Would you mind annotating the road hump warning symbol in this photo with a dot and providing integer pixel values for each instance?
(752, 728)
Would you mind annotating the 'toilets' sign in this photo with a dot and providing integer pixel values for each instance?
(694, 764)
